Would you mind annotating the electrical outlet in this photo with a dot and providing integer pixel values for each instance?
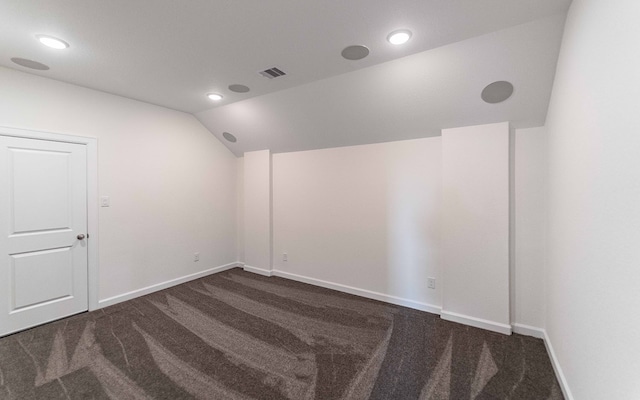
(431, 283)
(285, 257)
(196, 257)
(105, 201)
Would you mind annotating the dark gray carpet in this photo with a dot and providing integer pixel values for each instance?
(237, 335)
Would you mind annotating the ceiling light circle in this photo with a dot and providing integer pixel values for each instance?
(238, 88)
(399, 37)
(497, 92)
(52, 42)
(229, 137)
(23, 62)
(355, 52)
(214, 96)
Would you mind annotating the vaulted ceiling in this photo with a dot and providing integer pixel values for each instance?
(173, 53)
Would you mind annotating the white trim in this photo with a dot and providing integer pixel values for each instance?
(477, 322)
(528, 330)
(256, 270)
(163, 285)
(43, 135)
(564, 386)
(93, 267)
(360, 292)
(93, 279)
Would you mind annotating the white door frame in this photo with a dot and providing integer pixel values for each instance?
(92, 198)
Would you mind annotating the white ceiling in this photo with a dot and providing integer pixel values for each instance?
(172, 53)
(412, 97)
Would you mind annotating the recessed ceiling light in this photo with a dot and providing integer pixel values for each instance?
(399, 37)
(52, 42)
(214, 96)
(497, 92)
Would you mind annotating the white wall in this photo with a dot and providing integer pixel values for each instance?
(475, 225)
(172, 184)
(368, 217)
(530, 213)
(240, 209)
(593, 296)
(257, 210)
(362, 216)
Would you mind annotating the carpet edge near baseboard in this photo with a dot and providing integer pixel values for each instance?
(369, 294)
(430, 308)
(555, 363)
(515, 327)
(164, 285)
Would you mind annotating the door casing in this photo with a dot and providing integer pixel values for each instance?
(92, 198)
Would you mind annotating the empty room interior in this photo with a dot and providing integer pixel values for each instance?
(285, 199)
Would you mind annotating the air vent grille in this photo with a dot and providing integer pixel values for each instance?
(273, 72)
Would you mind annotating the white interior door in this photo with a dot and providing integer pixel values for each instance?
(43, 224)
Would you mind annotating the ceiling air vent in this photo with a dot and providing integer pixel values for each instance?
(273, 72)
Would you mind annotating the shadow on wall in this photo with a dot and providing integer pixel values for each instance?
(413, 234)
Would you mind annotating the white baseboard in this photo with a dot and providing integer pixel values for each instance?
(360, 292)
(476, 322)
(163, 285)
(528, 330)
(556, 367)
(256, 270)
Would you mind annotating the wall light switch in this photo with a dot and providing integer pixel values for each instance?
(285, 257)
(104, 201)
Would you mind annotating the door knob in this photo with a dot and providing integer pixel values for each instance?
(81, 236)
